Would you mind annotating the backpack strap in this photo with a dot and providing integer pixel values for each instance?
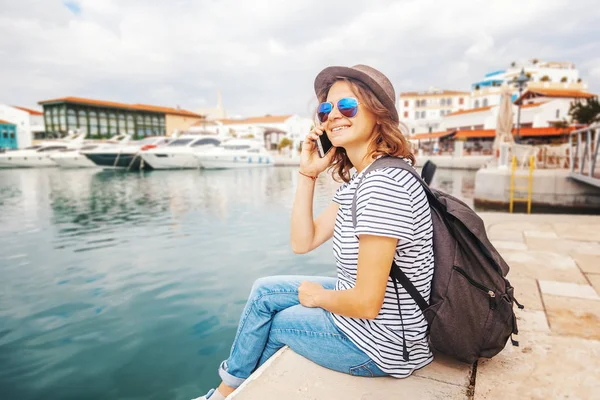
(396, 272)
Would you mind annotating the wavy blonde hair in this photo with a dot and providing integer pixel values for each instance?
(386, 139)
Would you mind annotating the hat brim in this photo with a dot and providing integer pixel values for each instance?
(331, 74)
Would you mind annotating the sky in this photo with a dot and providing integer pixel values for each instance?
(264, 55)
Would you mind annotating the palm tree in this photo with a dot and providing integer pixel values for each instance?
(586, 112)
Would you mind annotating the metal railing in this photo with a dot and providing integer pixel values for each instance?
(583, 154)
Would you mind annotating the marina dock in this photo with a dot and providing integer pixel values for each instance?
(555, 269)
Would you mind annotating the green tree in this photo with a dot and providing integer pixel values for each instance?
(585, 112)
(285, 142)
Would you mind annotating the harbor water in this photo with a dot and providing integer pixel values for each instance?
(130, 285)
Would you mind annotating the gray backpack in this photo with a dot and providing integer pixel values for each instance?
(470, 314)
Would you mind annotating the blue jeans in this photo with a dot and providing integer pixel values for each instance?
(273, 317)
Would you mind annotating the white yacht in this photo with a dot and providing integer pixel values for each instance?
(128, 156)
(181, 152)
(72, 158)
(236, 153)
(39, 155)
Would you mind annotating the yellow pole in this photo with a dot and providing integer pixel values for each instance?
(512, 183)
(530, 191)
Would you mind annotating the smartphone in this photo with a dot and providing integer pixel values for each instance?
(324, 145)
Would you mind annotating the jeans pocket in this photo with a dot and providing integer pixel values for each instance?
(365, 369)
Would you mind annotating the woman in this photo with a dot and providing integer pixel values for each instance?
(350, 324)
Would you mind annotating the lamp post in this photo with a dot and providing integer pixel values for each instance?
(521, 81)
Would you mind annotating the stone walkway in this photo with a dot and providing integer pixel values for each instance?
(555, 269)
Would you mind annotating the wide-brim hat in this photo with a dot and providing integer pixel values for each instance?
(379, 84)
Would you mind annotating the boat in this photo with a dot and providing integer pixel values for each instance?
(72, 158)
(125, 157)
(40, 155)
(236, 153)
(181, 152)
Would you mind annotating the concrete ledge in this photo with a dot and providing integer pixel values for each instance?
(292, 377)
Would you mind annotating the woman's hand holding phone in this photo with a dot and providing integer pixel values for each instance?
(311, 162)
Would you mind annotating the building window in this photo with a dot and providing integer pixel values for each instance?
(103, 123)
(55, 118)
(449, 101)
(83, 121)
(71, 119)
(461, 101)
(442, 112)
(557, 113)
(476, 104)
(422, 114)
(61, 118)
(416, 115)
(93, 123)
(130, 125)
(405, 103)
(443, 102)
(122, 123)
(405, 114)
(485, 103)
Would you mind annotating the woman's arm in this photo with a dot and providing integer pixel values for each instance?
(375, 257)
(306, 234)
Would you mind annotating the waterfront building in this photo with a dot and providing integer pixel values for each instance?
(29, 123)
(542, 75)
(422, 112)
(8, 135)
(107, 118)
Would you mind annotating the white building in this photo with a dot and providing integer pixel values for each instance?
(423, 111)
(544, 75)
(29, 122)
(541, 108)
(276, 127)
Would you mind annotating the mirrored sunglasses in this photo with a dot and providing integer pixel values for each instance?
(348, 107)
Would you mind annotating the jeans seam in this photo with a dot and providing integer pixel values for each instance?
(363, 365)
(253, 304)
(310, 333)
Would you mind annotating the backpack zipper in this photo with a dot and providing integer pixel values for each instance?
(479, 286)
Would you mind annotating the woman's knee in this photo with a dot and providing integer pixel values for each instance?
(269, 284)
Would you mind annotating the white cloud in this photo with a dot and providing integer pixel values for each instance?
(264, 54)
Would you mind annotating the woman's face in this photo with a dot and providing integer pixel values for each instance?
(356, 130)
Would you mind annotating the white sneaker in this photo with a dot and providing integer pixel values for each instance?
(206, 396)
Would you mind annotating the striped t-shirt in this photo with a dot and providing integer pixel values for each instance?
(392, 203)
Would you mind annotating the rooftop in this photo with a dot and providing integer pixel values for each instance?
(523, 132)
(3, 122)
(564, 93)
(29, 110)
(472, 110)
(433, 135)
(112, 104)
